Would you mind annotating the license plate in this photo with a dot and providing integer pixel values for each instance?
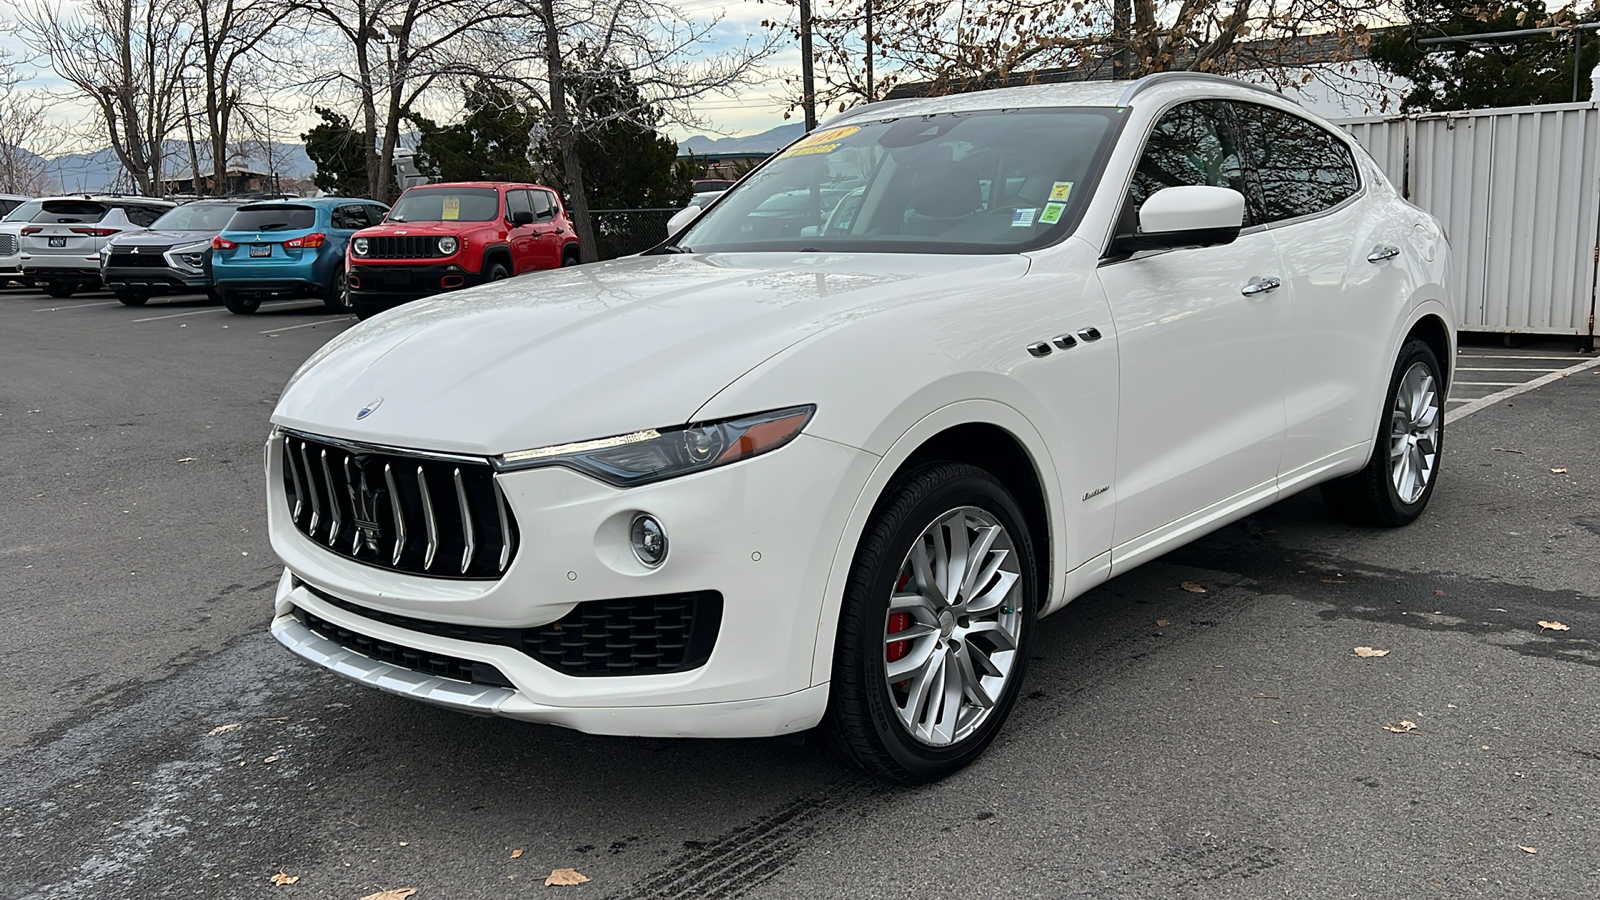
(260, 250)
(58, 242)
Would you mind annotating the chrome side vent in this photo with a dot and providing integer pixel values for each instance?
(423, 514)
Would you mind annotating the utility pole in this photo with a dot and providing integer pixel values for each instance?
(808, 85)
(871, 90)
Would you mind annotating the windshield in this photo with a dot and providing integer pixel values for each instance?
(983, 182)
(272, 218)
(25, 212)
(447, 205)
(196, 217)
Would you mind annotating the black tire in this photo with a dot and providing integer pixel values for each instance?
(213, 296)
(496, 272)
(238, 305)
(60, 289)
(366, 309)
(1369, 497)
(133, 297)
(569, 259)
(337, 296)
(862, 726)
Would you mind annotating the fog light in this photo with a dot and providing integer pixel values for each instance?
(649, 540)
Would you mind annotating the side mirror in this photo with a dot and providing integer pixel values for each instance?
(522, 217)
(1188, 216)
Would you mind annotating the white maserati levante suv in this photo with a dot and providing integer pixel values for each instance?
(823, 459)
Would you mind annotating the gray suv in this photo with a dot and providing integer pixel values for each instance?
(174, 255)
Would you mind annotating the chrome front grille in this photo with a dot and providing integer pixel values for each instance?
(408, 247)
(8, 244)
(423, 515)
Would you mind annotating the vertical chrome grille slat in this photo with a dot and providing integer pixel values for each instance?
(333, 492)
(399, 515)
(311, 491)
(505, 525)
(468, 537)
(294, 473)
(428, 520)
(333, 502)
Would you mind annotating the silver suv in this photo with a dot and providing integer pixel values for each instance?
(61, 243)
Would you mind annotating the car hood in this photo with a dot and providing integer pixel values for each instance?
(162, 238)
(597, 350)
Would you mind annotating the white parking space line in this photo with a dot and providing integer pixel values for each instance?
(79, 306)
(308, 325)
(1487, 383)
(1504, 369)
(196, 312)
(1509, 356)
(1508, 393)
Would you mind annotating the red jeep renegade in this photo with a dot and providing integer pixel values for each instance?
(439, 237)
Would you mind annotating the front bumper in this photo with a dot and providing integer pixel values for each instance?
(399, 283)
(155, 277)
(763, 533)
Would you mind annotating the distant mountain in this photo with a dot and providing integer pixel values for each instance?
(766, 142)
(100, 170)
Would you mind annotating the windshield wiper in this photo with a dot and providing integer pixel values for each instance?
(669, 248)
(273, 226)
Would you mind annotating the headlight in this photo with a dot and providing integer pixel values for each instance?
(359, 246)
(639, 458)
(447, 246)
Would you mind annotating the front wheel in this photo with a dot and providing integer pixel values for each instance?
(496, 272)
(133, 297)
(935, 627)
(1398, 480)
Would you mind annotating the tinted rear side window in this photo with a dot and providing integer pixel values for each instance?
(272, 218)
(143, 216)
(71, 212)
(1298, 168)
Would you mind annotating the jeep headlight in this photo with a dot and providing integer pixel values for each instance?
(447, 246)
(359, 246)
(628, 460)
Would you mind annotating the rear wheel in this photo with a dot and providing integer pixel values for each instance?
(570, 258)
(61, 289)
(133, 297)
(934, 632)
(239, 305)
(1398, 480)
(337, 296)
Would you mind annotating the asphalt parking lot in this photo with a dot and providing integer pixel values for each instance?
(1218, 744)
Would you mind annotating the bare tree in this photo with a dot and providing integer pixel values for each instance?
(231, 38)
(125, 58)
(561, 58)
(25, 134)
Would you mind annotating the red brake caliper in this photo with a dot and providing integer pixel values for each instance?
(898, 621)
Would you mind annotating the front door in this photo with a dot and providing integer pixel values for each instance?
(1201, 353)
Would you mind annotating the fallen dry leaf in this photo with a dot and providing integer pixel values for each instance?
(271, 759)
(1334, 581)
(1554, 626)
(187, 459)
(1559, 470)
(281, 878)
(1438, 593)
(1192, 588)
(515, 854)
(1368, 652)
(1526, 849)
(1162, 623)
(1404, 727)
(391, 894)
(224, 729)
(556, 878)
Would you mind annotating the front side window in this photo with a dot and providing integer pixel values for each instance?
(1192, 144)
(989, 181)
(1298, 168)
(517, 201)
(447, 205)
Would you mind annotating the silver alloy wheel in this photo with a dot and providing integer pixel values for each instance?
(954, 646)
(1414, 433)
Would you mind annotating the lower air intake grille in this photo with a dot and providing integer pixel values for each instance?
(444, 518)
(8, 244)
(405, 657)
(635, 636)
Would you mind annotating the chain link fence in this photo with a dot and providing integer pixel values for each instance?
(621, 232)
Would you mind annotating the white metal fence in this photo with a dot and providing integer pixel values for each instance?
(1518, 191)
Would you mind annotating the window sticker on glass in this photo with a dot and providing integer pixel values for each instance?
(1052, 213)
(452, 209)
(822, 142)
(1061, 191)
(1022, 218)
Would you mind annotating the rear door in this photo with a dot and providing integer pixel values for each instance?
(524, 239)
(1345, 287)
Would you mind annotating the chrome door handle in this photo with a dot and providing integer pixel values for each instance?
(1261, 286)
(1383, 252)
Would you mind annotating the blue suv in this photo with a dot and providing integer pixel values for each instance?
(289, 249)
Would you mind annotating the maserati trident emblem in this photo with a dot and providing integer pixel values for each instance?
(367, 410)
(364, 504)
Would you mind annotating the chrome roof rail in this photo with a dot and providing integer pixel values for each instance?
(1160, 78)
(867, 107)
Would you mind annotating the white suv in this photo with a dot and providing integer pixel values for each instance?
(824, 458)
(61, 242)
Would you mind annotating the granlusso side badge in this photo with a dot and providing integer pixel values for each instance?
(372, 404)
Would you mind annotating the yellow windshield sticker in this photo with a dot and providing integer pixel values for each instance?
(1061, 191)
(1052, 213)
(452, 209)
(821, 142)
